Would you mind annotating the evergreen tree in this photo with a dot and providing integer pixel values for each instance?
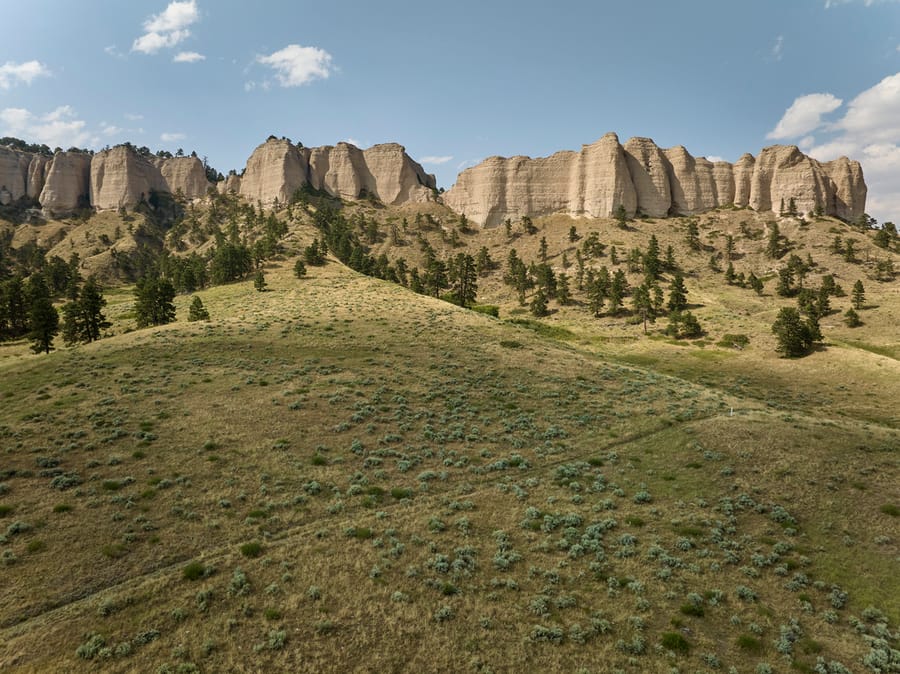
(539, 304)
(850, 250)
(84, 319)
(43, 323)
(573, 234)
(683, 325)
(774, 247)
(651, 261)
(729, 274)
(677, 294)
(641, 304)
(197, 312)
(563, 293)
(729, 247)
(542, 250)
(785, 286)
(756, 283)
(153, 301)
(299, 268)
(693, 235)
(794, 335)
(621, 216)
(462, 276)
(851, 318)
(259, 281)
(858, 295)
(483, 261)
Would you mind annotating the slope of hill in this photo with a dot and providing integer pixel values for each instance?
(339, 474)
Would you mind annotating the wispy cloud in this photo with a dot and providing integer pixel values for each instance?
(432, 159)
(778, 48)
(12, 73)
(171, 137)
(296, 65)
(58, 128)
(868, 3)
(188, 57)
(168, 28)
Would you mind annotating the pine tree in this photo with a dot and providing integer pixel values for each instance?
(542, 250)
(539, 304)
(851, 318)
(259, 281)
(197, 312)
(756, 283)
(563, 293)
(693, 235)
(774, 247)
(299, 268)
(651, 261)
(43, 323)
(621, 216)
(858, 295)
(794, 335)
(84, 319)
(573, 234)
(677, 294)
(153, 301)
(462, 276)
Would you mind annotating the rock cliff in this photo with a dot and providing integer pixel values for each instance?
(67, 183)
(185, 175)
(120, 177)
(277, 168)
(645, 179)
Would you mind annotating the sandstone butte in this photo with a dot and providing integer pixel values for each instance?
(647, 180)
(639, 176)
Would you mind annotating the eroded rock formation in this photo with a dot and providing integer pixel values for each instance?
(644, 179)
(277, 168)
(67, 183)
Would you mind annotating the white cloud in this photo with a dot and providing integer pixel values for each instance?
(296, 65)
(353, 141)
(188, 57)
(21, 73)
(168, 28)
(778, 47)
(168, 137)
(868, 3)
(133, 117)
(57, 128)
(714, 158)
(431, 159)
(110, 129)
(804, 115)
(874, 115)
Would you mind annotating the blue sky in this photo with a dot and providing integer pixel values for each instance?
(457, 82)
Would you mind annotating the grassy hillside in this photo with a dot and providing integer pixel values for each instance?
(339, 474)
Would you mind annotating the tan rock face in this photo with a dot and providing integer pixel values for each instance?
(592, 182)
(120, 177)
(783, 173)
(274, 171)
(383, 171)
(68, 183)
(655, 182)
(12, 177)
(36, 174)
(232, 183)
(849, 188)
(185, 175)
(647, 166)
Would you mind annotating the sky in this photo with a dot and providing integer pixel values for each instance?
(458, 82)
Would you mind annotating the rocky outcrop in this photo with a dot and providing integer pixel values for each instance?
(274, 171)
(34, 182)
(231, 184)
(184, 175)
(121, 178)
(647, 166)
(644, 179)
(849, 188)
(592, 182)
(12, 176)
(67, 184)
(277, 168)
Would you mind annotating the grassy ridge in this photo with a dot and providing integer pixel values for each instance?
(340, 475)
